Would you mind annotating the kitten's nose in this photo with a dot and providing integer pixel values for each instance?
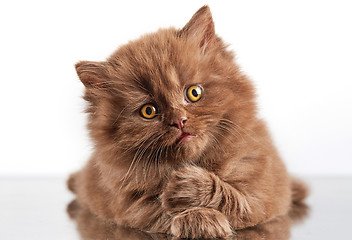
(179, 123)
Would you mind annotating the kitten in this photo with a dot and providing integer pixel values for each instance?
(178, 145)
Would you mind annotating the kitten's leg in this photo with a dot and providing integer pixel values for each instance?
(72, 182)
(196, 187)
(200, 222)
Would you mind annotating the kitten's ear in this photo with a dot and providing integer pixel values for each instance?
(92, 74)
(201, 28)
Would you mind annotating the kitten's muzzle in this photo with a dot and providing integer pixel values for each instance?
(185, 137)
(179, 123)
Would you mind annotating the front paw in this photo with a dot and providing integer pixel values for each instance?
(188, 187)
(200, 223)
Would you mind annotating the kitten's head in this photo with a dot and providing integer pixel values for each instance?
(168, 96)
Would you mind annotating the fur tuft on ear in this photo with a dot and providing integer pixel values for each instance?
(201, 28)
(92, 74)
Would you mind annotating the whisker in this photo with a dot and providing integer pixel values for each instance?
(138, 154)
(151, 158)
(234, 126)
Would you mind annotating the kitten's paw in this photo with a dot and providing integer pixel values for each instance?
(188, 187)
(201, 223)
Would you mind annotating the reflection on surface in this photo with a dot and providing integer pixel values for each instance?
(91, 227)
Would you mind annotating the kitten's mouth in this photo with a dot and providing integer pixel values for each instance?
(185, 137)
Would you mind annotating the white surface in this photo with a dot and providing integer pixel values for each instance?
(36, 209)
(297, 52)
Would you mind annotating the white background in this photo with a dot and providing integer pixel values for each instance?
(298, 53)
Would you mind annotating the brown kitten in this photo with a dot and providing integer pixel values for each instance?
(178, 146)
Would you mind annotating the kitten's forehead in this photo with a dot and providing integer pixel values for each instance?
(166, 88)
(172, 79)
(160, 65)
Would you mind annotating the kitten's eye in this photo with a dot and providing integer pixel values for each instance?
(148, 111)
(194, 93)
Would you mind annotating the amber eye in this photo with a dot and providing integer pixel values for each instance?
(148, 111)
(194, 93)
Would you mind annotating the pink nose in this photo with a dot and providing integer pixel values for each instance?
(179, 123)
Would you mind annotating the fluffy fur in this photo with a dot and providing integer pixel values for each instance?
(228, 176)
